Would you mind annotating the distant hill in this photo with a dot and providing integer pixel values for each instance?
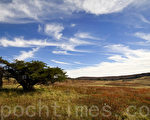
(113, 78)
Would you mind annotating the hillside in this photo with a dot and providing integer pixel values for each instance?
(113, 78)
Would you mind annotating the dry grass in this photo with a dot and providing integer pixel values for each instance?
(117, 95)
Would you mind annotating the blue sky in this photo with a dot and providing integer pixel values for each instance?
(84, 37)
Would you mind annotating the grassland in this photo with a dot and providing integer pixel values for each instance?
(78, 100)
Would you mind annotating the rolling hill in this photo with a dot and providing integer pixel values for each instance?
(114, 78)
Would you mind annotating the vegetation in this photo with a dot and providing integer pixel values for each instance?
(72, 99)
(73, 94)
(28, 74)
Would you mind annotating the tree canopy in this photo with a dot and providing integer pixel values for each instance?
(28, 74)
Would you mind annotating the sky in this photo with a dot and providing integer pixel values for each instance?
(84, 37)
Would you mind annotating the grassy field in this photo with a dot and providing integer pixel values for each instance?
(78, 100)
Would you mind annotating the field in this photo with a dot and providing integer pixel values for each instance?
(78, 100)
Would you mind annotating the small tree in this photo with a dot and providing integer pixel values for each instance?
(28, 74)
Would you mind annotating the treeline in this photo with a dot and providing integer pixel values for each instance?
(28, 74)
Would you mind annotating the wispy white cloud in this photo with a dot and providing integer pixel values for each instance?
(99, 7)
(145, 20)
(39, 28)
(22, 11)
(25, 55)
(78, 41)
(144, 36)
(84, 35)
(60, 62)
(66, 45)
(79, 63)
(61, 52)
(73, 25)
(117, 58)
(125, 61)
(21, 42)
(54, 29)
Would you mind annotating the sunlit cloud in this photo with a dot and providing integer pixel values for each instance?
(125, 61)
(26, 54)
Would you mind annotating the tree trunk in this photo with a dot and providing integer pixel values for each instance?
(1, 81)
(28, 88)
(26, 85)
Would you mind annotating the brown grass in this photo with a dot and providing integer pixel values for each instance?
(118, 95)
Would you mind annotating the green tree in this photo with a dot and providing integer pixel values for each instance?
(28, 74)
(53, 75)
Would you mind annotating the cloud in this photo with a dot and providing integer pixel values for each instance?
(144, 19)
(21, 42)
(69, 44)
(16, 11)
(59, 62)
(66, 45)
(125, 61)
(99, 7)
(144, 36)
(25, 11)
(39, 28)
(79, 63)
(54, 29)
(84, 35)
(117, 58)
(78, 41)
(25, 55)
(73, 25)
(61, 52)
